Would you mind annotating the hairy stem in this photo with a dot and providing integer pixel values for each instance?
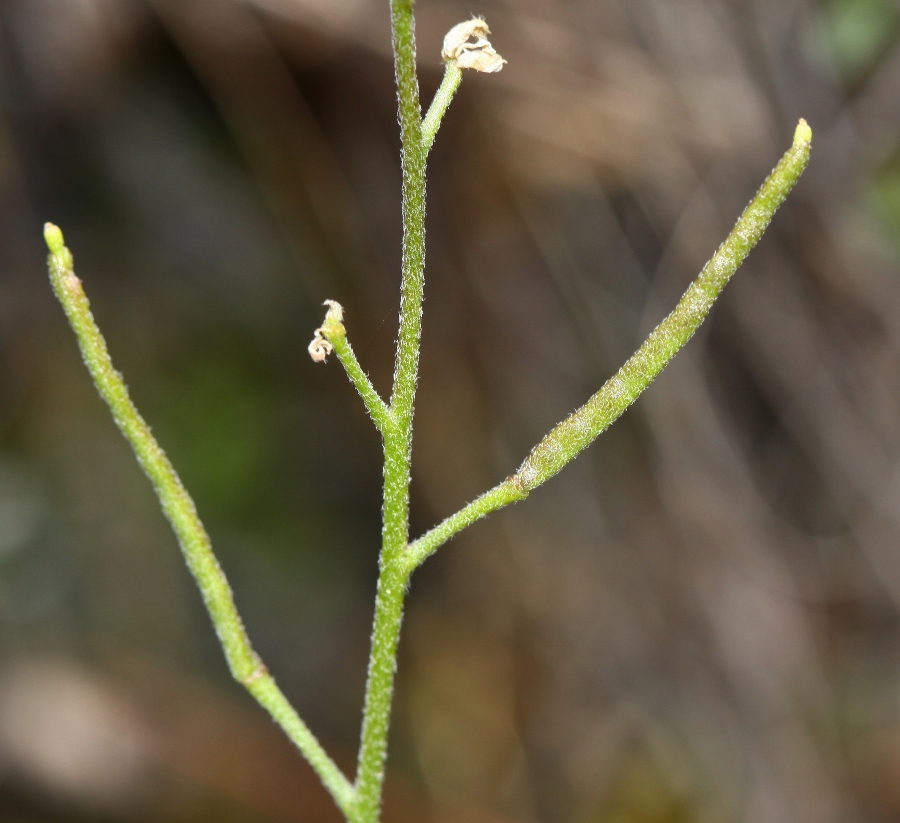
(179, 509)
(441, 102)
(398, 438)
(375, 406)
(501, 495)
(413, 165)
(392, 583)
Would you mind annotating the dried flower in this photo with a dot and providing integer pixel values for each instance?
(321, 347)
(467, 44)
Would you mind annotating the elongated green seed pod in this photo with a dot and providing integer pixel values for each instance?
(179, 509)
(584, 425)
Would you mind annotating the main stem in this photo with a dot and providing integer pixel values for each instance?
(393, 577)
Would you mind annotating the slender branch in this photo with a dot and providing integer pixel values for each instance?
(375, 406)
(179, 509)
(501, 495)
(441, 102)
(565, 442)
(270, 697)
(332, 336)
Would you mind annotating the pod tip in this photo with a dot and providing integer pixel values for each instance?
(54, 239)
(803, 133)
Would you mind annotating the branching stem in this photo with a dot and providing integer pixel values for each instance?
(360, 802)
(441, 102)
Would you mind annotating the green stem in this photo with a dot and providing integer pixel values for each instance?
(392, 584)
(413, 165)
(398, 438)
(565, 442)
(377, 408)
(501, 495)
(441, 102)
(179, 509)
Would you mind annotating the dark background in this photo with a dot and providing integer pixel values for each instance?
(697, 621)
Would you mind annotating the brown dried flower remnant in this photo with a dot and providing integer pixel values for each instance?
(467, 44)
(321, 347)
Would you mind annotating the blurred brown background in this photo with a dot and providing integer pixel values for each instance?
(697, 621)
